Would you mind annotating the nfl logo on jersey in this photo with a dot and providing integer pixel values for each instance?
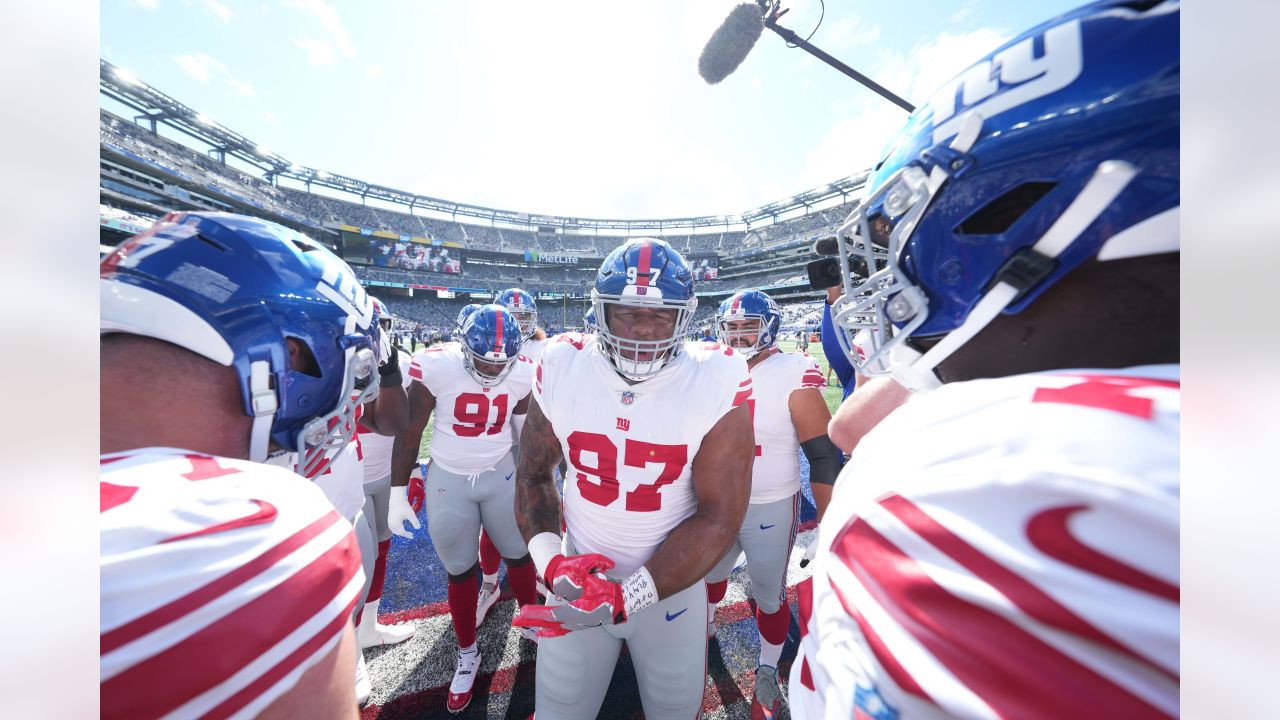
(628, 397)
(869, 704)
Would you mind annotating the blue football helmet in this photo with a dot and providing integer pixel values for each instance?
(233, 289)
(749, 305)
(463, 314)
(490, 337)
(647, 273)
(1058, 148)
(589, 320)
(384, 318)
(522, 306)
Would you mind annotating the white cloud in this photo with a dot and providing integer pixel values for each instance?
(240, 88)
(337, 36)
(271, 117)
(849, 32)
(375, 71)
(222, 11)
(319, 52)
(145, 4)
(200, 66)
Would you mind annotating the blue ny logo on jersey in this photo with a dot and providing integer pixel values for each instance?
(869, 704)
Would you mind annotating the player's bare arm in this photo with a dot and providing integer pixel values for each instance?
(865, 407)
(722, 480)
(388, 414)
(810, 416)
(404, 454)
(537, 500)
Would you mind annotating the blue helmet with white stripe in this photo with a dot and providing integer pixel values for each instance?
(1059, 148)
(235, 290)
(643, 273)
(522, 306)
(491, 343)
(748, 321)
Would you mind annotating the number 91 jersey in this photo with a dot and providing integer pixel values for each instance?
(473, 428)
(630, 448)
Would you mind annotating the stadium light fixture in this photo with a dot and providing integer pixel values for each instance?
(200, 118)
(126, 77)
(322, 175)
(263, 151)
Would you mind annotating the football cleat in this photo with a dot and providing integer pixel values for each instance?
(766, 700)
(371, 633)
(364, 688)
(464, 679)
(488, 598)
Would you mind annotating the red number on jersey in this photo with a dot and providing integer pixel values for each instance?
(473, 410)
(637, 454)
(1106, 392)
(203, 468)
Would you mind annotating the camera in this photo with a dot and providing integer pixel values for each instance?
(825, 272)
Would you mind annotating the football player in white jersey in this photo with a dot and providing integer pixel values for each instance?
(789, 414)
(1010, 545)
(375, 461)
(258, 340)
(479, 391)
(523, 308)
(659, 442)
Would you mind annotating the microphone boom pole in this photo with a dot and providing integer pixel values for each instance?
(791, 37)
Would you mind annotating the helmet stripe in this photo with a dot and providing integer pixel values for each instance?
(642, 271)
(498, 329)
(737, 303)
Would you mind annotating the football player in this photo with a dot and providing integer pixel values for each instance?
(1010, 546)
(479, 391)
(789, 415)
(376, 465)
(525, 311)
(659, 443)
(259, 341)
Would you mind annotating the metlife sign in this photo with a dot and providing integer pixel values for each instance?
(541, 257)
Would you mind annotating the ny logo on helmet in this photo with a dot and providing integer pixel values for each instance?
(1010, 78)
(346, 292)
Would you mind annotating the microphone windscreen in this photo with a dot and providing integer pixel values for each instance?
(731, 43)
(826, 246)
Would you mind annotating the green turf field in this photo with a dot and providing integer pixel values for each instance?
(832, 393)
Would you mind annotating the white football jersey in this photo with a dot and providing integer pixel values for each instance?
(630, 448)
(776, 473)
(222, 582)
(1003, 548)
(473, 423)
(533, 349)
(376, 449)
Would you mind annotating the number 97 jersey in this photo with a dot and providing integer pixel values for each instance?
(473, 423)
(630, 448)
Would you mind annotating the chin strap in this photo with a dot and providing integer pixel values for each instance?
(263, 402)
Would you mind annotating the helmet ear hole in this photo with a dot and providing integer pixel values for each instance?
(301, 358)
(1000, 214)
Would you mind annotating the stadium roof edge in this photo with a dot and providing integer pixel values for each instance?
(157, 107)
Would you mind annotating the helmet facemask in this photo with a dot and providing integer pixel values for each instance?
(323, 437)
(747, 335)
(638, 360)
(488, 369)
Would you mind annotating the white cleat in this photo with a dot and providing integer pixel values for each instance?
(371, 633)
(488, 598)
(464, 679)
(363, 687)
(529, 634)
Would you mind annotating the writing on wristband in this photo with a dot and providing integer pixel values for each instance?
(638, 591)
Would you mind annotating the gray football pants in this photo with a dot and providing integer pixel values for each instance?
(668, 646)
(767, 534)
(457, 507)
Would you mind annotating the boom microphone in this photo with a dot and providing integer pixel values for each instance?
(826, 246)
(731, 43)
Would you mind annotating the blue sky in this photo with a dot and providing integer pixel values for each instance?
(583, 108)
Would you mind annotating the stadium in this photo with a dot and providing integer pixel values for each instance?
(953, 588)
(160, 156)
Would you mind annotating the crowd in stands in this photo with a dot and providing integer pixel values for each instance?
(133, 218)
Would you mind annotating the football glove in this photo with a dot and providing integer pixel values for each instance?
(399, 510)
(566, 576)
(810, 551)
(417, 494)
(601, 603)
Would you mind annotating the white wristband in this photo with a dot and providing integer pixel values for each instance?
(638, 591)
(543, 547)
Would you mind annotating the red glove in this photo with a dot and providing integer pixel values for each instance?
(417, 493)
(566, 576)
(601, 603)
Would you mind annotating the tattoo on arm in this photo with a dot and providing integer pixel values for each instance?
(537, 500)
(404, 452)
